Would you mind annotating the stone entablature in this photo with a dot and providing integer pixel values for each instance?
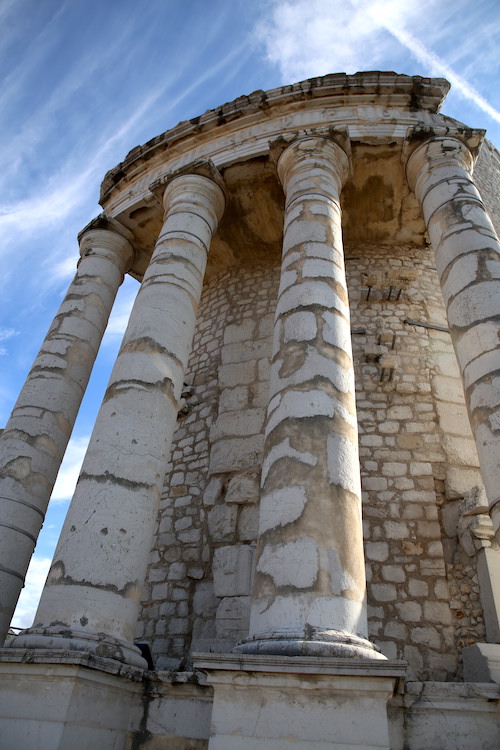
(379, 112)
(338, 90)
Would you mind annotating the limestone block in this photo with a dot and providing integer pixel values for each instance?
(212, 491)
(245, 351)
(453, 418)
(439, 612)
(259, 706)
(204, 601)
(232, 570)
(393, 469)
(448, 389)
(234, 334)
(451, 716)
(222, 521)
(238, 423)
(232, 618)
(377, 551)
(446, 363)
(242, 489)
(66, 705)
(248, 524)
(383, 592)
(236, 454)
(409, 611)
(232, 375)
(460, 479)
(460, 450)
(232, 399)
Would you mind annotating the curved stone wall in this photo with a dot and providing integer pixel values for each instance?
(417, 459)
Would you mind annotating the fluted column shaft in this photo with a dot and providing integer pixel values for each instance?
(467, 253)
(93, 591)
(33, 443)
(309, 594)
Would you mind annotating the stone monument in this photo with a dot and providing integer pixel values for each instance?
(285, 531)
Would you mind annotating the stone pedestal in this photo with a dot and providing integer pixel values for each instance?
(68, 700)
(65, 701)
(279, 703)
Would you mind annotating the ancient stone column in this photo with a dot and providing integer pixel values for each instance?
(467, 254)
(93, 591)
(309, 593)
(34, 440)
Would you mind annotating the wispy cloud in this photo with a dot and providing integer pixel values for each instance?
(70, 469)
(30, 595)
(5, 334)
(440, 67)
(313, 37)
(118, 320)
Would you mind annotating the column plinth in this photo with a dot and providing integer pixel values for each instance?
(33, 443)
(467, 253)
(92, 596)
(309, 593)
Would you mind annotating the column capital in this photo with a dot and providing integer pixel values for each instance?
(188, 191)
(110, 239)
(437, 152)
(312, 153)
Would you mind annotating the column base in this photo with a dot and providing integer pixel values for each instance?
(99, 644)
(75, 701)
(59, 700)
(275, 703)
(310, 642)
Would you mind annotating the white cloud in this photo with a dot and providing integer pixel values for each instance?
(439, 67)
(64, 269)
(30, 595)
(307, 38)
(70, 469)
(7, 333)
(118, 320)
(313, 37)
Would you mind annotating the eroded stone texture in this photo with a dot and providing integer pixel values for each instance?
(93, 590)
(34, 440)
(467, 253)
(309, 583)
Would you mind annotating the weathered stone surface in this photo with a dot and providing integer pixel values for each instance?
(99, 566)
(33, 442)
(459, 227)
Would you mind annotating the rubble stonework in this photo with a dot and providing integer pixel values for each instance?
(283, 533)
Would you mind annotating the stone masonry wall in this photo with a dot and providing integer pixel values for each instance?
(417, 459)
(198, 588)
(413, 429)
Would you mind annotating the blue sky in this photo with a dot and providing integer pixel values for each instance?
(84, 81)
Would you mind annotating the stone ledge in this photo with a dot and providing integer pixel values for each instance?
(70, 658)
(300, 665)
